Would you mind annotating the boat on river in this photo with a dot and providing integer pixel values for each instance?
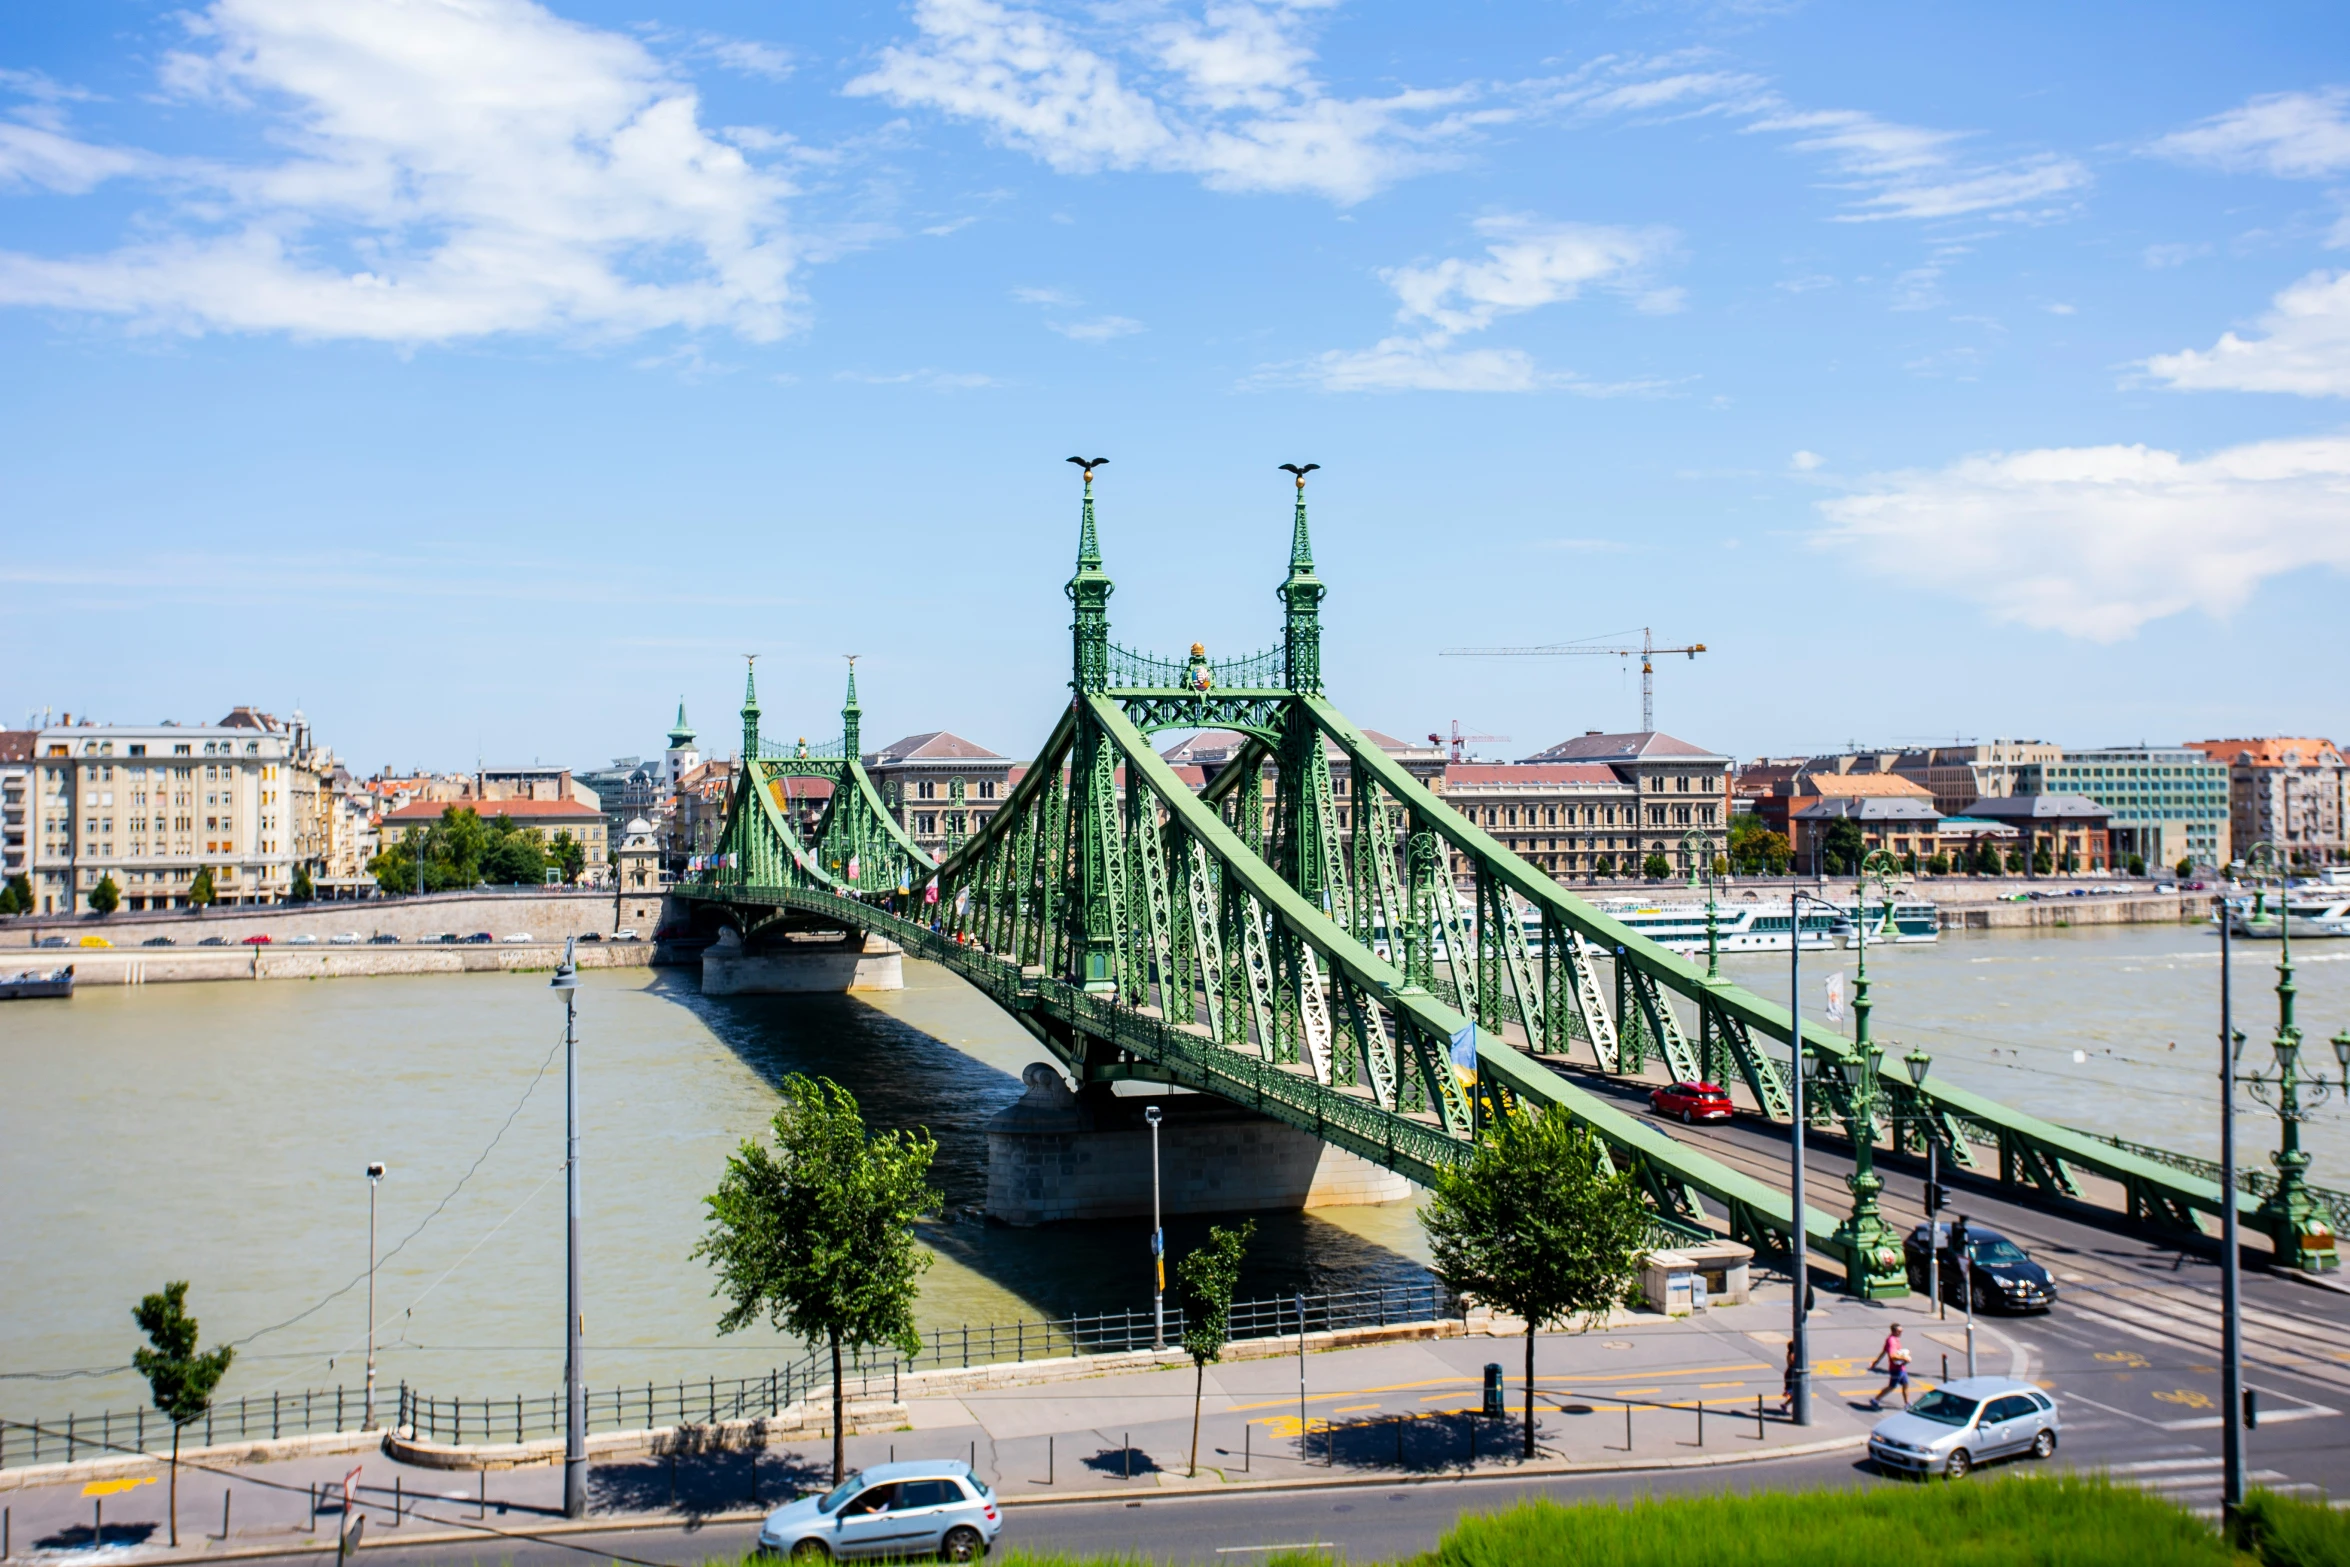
(1909, 922)
(1738, 927)
(2316, 912)
(30, 986)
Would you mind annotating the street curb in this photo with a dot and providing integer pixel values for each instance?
(643, 1523)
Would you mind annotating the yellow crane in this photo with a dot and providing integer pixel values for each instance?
(1646, 651)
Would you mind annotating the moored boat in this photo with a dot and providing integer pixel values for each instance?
(30, 986)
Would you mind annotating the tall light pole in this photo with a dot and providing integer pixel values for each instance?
(1870, 1244)
(1919, 1063)
(566, 983)
(1799, 1338)
(375, 1173)
(1150, 1115)
(2231, 1331)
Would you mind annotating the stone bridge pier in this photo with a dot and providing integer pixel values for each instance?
(783, 962)
(1054, 1154)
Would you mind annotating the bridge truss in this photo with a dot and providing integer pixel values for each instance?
(1294, 939)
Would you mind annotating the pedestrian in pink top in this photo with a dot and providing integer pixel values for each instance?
(1894, 1357)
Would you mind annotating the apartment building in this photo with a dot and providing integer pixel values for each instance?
(150, 805)
(2167, 803)
(2293, 792)
(941, 786)
(544, 819)
(1959, 774)
(1666, 791)
(16, 793)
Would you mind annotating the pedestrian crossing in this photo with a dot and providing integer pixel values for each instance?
(2194, 1483)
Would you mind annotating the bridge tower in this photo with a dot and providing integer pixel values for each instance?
(1101, 868)
(750, 752)
(852, 718)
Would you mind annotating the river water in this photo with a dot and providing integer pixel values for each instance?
(218, 1133)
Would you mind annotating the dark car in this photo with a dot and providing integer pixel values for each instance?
(213, 941)
(2005, 1276)
(477, 938)
(159, 941)
(51, 941)
(1692, 1102)
(383, 938)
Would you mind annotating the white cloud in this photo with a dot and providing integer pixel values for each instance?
(2161, 256)
(1908, 171)
(451, 168)
(1099, 330)
(2095, 541)
(2292, 135)
(1805, 462)
(1045, 296)
(1228, 96)
(1527, 265)
(935, 380)
(2305, 348)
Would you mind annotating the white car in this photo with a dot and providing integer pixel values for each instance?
(303, 940)
(626, 933)
(521, 935)
(348, 938)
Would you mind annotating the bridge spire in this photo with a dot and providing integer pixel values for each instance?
(750, 709)
(1302, 595)
(1089, 593)
(852, 717)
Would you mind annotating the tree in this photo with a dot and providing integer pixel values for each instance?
(1605, 869)
(180, 1379)
(571, 855)
(395, 869)
(512, 856)
(200, 893)
(1656, 867)
(303, 889)
(1938, 865)
(1844, 846)
(1721, 865)
(106, 897)
(816, 1234)
(1754, 848)
(2186, 869)
(1535, 1224)
(2015, 862)
(2042, 864)
(2137, 864)
(16, 897)
(1204, 1281)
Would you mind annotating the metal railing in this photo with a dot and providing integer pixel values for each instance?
(1252, 671)
(2249, 1177)
(707, 1400)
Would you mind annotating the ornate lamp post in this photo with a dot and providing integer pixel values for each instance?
(1871, 1243)
(2295, 1220)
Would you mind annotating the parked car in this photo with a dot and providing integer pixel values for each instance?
(383, 938)
(1692, 1102)
(478, 938)
(255, 941)
(2005, 1276)
(626, 933)
(51, 941)
(521, 935)
(96, 941)
(591, 936)
(437, 938)
(213, 941)
(159, 941)
(305, 939)
(1965, 1423)
(918, 1508)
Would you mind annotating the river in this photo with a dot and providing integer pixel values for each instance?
(218, 1133)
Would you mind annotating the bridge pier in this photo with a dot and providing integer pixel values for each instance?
(797, 963)
(1053, 1155)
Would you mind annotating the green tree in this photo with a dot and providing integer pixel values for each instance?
(200, 893)
(512, 856)
(1535, 1224)
(1754, 848)
(2015, 862)
(303, 889)
(16, 899)
(816, 1234)
(394, 869)
(179, 1378)
(1844, 846)
(2137, 864)
(1605, 869)
(1721, 865)
(106, 897)
(2186, 868)
(2042, 864)
(1204, 1281)
(1656, 867)
(1938, 865)
(571, 855)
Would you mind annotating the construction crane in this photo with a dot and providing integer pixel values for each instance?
(1647, 651)
(1460, 740)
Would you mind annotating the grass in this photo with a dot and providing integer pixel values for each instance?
(2285, 1531)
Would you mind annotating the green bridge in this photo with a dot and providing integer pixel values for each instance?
(1304, 952)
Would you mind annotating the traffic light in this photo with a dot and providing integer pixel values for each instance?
(1935, 1198)
(1958, 1238)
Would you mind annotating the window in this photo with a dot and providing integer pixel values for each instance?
(987, 789)
(924, 789)
(926, 822)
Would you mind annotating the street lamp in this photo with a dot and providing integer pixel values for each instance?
(1799, 1377)
(1150, 1116)
(566, 984)
(1918, 1062)
(1872, 1250)
(375, 1173)
(2293, 1217)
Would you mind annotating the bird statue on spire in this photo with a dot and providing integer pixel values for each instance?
(1288, 467)
(1088, 464)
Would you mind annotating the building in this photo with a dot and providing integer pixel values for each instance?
(1959, 774)
(1617, 797)
(681, 758)
(941, 787)
(534, 782)
(2169, 803)
(2070, 830)
(2292, 792)
(148, 806)
(545, 819)
(697, 810)
(1894, 813)
(16, 792)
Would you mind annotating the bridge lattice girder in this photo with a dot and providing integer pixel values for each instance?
(1310, 955)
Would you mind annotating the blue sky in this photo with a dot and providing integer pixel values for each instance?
(482, 375)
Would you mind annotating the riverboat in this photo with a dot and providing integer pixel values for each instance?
(1909, 922)
(2319, 914)
(30, 986)
(1738, 927)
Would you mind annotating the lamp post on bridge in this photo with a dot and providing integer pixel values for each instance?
(375, 1175)
(575, 1462)
(1872, 1250)
(1798, 1244)
(2292, 1215)
(1150, 1115)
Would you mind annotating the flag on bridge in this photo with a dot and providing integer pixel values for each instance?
(1464, 1054)
(930, 892)
(854, 873)
(1836, 997)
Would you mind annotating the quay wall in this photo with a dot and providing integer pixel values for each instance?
(173, 965)
(548, 914)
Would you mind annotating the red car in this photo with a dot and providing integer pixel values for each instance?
(1692, 1102)
(255, 941)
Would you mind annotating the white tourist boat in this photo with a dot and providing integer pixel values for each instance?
(1910, 922)
(1739, 926)
(2314, 912)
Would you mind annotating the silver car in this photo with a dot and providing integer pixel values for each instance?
(1964, 1423)
(917, 1508)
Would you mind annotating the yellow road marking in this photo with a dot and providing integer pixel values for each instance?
(2125, 1357)
(1634, 1392)
(1352, 1409)
(2188, 1397)
(1707, 1387)
(115, 1487)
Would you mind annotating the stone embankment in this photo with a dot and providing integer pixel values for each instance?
(172, 965)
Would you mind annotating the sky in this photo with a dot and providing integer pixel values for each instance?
(484, 377)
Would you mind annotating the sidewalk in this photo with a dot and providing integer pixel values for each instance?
(1624, 1396)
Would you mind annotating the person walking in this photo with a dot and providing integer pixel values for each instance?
(1894, 1357)
(1787, 1382)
